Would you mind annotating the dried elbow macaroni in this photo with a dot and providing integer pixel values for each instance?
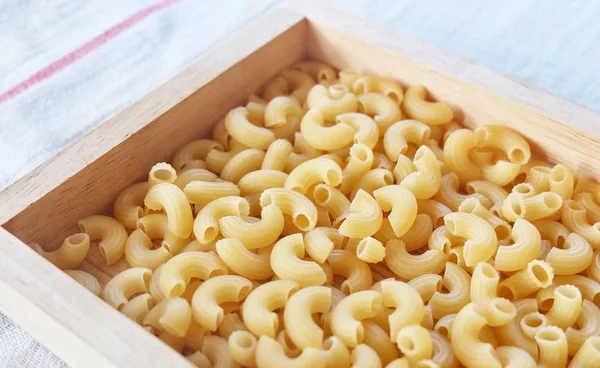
(340, 219)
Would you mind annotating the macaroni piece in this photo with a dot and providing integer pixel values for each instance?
(323, 137)
(321, 241)
(526, 247)
(297, 315)
(259, 180)
(126, 284)
(161, 173)
(514, 357)
(360, 161)
(318, 71)
(384, 110)
(294, 204)
(244, 262)
(261, 302)
(385, 86)
(129, 204)
(156, 226)
(539, 206)
(312, 172)
(287, 262)
(277, 155)
(365, 128)
(537, 275)
(86, 280)
(588, 355)
(408, 306)
(501, 227)
(206, 224)
(194, 152)
(332, 101)
(489, 190)
(216, 349)
(398, 136)
(415, 343)
(457, 281)
(426, 180)
(169, 197)
(111, 234)
(408, 266)
(370, 250)
(242, 347)
(241, 164)
(574, 217)
(588, 324)
(139, 252)
(434, 210)
(505, 139)
(450, 196)
(468, 347)
(356, 272)
(246, 133)
(482, 242)
(417, 106)
(270, 354)
(138, 308)
(552, 344)
(401, 204)
(335, 353)
(427, 285)
(207, 300)
(566, 307)
(574, 257)
(254, 234)
(484, 282)
(365, 217)
(378, 339)
(173, 315)
(70, 254)
(347, 316)
(364, 356)
(456, 155)
(176, 273)
(442, 351)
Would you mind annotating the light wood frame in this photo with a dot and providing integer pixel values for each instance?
(45, 205)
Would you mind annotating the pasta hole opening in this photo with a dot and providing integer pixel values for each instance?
(489, 271)
(545, 305)
(406, 344)
(394, 96)
(596, 300)
(560, 241)
(518, 156)
(517, 207)
(541, 275)
(77, 239)
(177, 290)
(163, 175)
(321, 195)
(533, 320)
(360, 153)
(568, 291)
(505, 292)
(210, 233)
(558, 174)
(243, 292)
(244, 340)
(453, 258)
(553, 201)
(443, 330)
(524, 189)
(337, 91)
(548, 334)
(388, 178)
(502, 231)
(302, 222)
(346, 289)
(333, 178)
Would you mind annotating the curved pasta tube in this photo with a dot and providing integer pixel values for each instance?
(129, 204)
(384, 110)
(588, 324)
(532, 322)
(70, 254)
(242, 346)
(335, 353)
(172, 199)
(442, 351)
(300, 307)
(322, 137)
(177, 272)
(173, 315)
(495, 169)
(526, 247)
(457, 281)
(402, 205)
(318, 71)
(427, 285)
(561, 181)
(288, 264)
(566, 307)
(467, 346)
(408, 307)
(450, 196)
(139, 252)
(481, 244)
(243, 131)
(258, 181)
(365, 128)
(206, 224)
(492, 191)
(552, 345)
(415, 343)
(531, 208)
(277, 155)
(403, 168)
(254, 234)
(377, 338)
(588, 355)
(241, 164)
(193, 152)
(590, 204)
(434, 210)
(418, 107)
(356, 272)
(496, 311)
(161, 172)
(359, 162)
(280, 110)
(123, 286)
(425, 181)
(111, 234)
(208, 298)
(484, 282)
(216, 349)
(474, 207)
(552, 231)
(385, 86)
(593, 271)
(574, 218)
(294, 204)
(312, 172)
(574, 257)
(456, 155)
(364, 356)
(203, 192)
(86, 280)
(332, 101)
(216, 160)
(138, 308)
(514, 357)
(242, 261)
(156, 226)
(505, 139)
(537, 275)
(346, 318)
(270, 354)
(321, 241)
(408, 266)
(512, 334)
(590, 289)
(372, 180)
(365, 217)
(370, 250)
(261, 302)
(400, 134)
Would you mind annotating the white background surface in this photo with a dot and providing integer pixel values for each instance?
(551, 44)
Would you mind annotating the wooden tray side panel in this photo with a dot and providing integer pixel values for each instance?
(557, 130)
(147, 135)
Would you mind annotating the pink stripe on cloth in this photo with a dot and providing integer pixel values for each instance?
(85, 49)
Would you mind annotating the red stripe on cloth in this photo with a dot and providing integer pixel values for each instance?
(84, 49)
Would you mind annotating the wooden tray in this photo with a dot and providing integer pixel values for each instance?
(84, 179)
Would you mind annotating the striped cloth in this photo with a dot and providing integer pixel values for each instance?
(67, 66)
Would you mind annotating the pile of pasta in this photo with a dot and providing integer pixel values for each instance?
(339, 220)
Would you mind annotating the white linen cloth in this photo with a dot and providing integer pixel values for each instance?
(551, 44)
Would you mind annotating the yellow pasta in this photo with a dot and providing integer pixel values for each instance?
(243, 131)
(70, 254)
(175, 204)
(364, 356)
(450, 196)
(126, 284)
(501, 227)
(574, 218)
(408, 266)
(370, 250)
(244, 262)
(320, 136)
(356, 272)
(139, 252)
(539, 206)
(372, 180)
(156, 226)
(300, 307)
(482, 242)
(427, 285)
(129, 204)
(552, 344)
(216, 349)
(398, 136)
(254, 234)
(574, 257)
(86, 280)
(537, 275)
(456, 155)
(359, 162)
(402, 205)
(294, 204)
(193, 153)
(588, 355)
(425, 181)
(469, 349)
(364, 219)
(346, 319)
(383, 109)
(242, 346)
(408, 307)
(442, 351)
(587, 324)
(365, 128)
(379, 340)
(514, 357)
(321, 241)
(417, 106)
(173, 315)
(388, 87)
(287, 262)
(434, 210)
(277, 155)
(505, 139)
(489, 190)
(526, 247)
(312, 172)
(161, 173)
(206, 225)
(484, 282)
(270, 354)
(415, 343)
(176, 273)
(331, 101)
(457, 281)
(111, 234)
